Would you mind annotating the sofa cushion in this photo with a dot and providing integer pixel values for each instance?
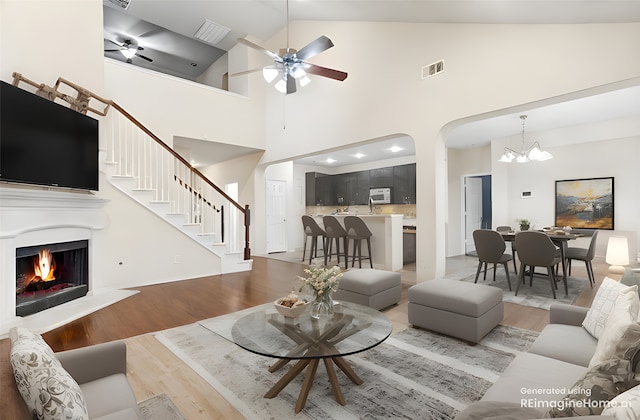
(498, 410)
(119, 392)
(553, 342)
(47, 389)
(534, 378)
(603, 303)
(591, 393)
(625, 406)
(618, 322)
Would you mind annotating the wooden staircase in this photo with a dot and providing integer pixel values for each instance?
(150, 172)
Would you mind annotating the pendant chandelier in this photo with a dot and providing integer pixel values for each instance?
(532, 154)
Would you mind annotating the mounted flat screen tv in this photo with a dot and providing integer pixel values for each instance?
(45, 143)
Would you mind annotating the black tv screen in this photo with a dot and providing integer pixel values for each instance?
(45, 143)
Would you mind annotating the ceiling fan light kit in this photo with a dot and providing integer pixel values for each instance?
(532, 154)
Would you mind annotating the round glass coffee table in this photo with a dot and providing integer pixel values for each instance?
(352, 329)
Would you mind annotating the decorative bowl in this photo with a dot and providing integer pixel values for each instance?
(288, 312)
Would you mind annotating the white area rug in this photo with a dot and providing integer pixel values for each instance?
(413, 374)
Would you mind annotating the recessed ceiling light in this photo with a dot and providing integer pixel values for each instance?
(359, 155)
(330, 160)
(395, 149)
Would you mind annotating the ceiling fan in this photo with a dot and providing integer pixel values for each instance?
(129, 50)
(290, 65)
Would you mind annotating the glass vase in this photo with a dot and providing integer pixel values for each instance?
(322, 307)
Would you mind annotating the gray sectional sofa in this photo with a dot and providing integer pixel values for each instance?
(547, 372)
(556, 360)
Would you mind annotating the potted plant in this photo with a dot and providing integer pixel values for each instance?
(524, 224)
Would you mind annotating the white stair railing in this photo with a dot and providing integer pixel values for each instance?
(135, 153)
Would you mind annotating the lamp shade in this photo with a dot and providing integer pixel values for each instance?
(617, 254)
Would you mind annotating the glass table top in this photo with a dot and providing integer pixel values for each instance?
(262, 330)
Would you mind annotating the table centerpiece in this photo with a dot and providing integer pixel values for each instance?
(322, 282)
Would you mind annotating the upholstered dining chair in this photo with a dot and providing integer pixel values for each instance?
(313, 230)
(535, 249)
(583, 254)
(513, 245)
(335, 232)
(357, 231)
(490, 248)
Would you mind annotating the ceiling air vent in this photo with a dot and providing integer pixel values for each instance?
(123, 4)
(211, 32)
(433, 69)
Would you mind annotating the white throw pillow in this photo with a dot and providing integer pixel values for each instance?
(624, 313)
(46, 387)
(602, 305)
(625, 406)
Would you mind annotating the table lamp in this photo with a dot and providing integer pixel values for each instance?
(617, 254)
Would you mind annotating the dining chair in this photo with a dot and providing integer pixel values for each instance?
(357, 231)
(535, 249)
(513, 245)
(335, 232)
(583, 254)
(490, 248)
(313, 230)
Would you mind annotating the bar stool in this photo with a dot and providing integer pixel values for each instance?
(311, 228)
(358, 231)
(335, 232)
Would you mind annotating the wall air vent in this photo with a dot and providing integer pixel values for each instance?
(433, 69)
(123, 4)
(211, 32)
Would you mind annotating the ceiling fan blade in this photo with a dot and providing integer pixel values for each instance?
(112, 50)
(325, 72)
(258, 47)
(291, 85)
(314, 47)
(241, 73)
(144, 58)
(115, 43)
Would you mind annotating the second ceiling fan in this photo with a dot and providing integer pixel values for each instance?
(290, 65)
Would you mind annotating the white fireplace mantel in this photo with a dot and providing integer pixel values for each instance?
(35, 216)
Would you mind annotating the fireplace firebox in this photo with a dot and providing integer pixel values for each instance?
(50, 275)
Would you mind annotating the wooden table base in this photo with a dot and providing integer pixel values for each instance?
(312, 367)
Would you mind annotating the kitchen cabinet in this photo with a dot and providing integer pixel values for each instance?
(381, 177)
(408, 247)
(404, 184)
(319, 189)
(360, 194)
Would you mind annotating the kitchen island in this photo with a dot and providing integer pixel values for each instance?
(386, 241)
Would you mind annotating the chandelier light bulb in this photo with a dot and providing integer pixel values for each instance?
(269, 74)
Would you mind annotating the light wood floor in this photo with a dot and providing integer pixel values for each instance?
(152, 369)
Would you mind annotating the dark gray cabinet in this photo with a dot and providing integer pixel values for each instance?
(404, 184)
(353, 188)
(381, 177)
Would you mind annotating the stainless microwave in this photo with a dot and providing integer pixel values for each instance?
(380, 195)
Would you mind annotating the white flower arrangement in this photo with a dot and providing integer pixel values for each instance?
(321, 280)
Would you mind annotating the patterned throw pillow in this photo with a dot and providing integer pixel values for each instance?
(602, 305)
(625, 406)
(621, 317)
(592, 393)
(46, 387)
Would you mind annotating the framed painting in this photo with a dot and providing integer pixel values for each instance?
(585, 203)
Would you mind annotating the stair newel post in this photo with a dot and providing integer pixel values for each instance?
(247, 223)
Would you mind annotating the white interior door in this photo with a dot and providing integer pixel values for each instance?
(473, 210)
(276, 216)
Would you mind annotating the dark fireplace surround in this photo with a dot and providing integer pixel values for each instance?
(51, 274)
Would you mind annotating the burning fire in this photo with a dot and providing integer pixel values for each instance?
(44, 266)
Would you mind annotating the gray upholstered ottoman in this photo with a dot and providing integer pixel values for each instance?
(370, 287)
(456, 308)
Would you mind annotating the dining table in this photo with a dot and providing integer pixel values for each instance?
(558, 237)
